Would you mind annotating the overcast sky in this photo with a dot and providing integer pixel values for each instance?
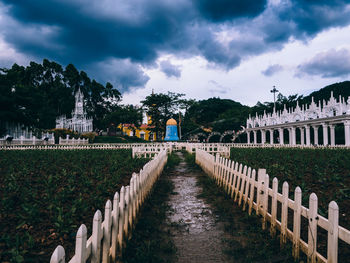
(204, 48)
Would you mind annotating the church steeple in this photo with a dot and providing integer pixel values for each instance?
(79, 103)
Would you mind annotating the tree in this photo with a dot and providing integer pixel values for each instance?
(35, 95)
(124, 114)
(161, 107)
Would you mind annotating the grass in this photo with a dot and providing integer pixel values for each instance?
(151, 241)
(46, 195)
(244, 240)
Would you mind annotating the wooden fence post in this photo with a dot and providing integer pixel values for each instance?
(274, 206)
(284, 213)
(96, 237)
(265, 199)
(115, 216)
(261, 179)
(296, 222)
(333, 217)
(238, 180)
(126, 218)
(252, 190)
(80, 244)
(246, 191)
(312, 234)
(107, 232)
(121, 220)
(243, 182)
(58, 256)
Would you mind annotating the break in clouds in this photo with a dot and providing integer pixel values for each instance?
(104, 36)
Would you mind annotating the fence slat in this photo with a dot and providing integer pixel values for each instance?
(284, 215)
(265, 199)
(252, 190)
(274, 207)
(312, 233)
(80, 244)
(238, 181)
(107, 232)
(333, 217)
(261, 179)
(296, 222)
(58, 256)
(115, 217)
(96, 237)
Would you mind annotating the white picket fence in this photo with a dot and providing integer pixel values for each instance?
(212, 148)
(150, 151)
(108, 236)
(26, 141)
(241, 184)
(267, 145)
(73, 141)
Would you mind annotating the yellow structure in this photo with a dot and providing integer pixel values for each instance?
(143, 132)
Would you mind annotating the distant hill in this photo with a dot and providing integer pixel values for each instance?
(341, 88)
(220, 115)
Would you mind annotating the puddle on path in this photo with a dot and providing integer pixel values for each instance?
(196, 230)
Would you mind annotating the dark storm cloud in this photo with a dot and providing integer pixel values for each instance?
(169, 69)
(221, 10)
(121, 72)
(333, 63)
(272, 70)
(88, 32)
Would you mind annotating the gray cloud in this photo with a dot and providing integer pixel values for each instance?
(333, 63)
(217, 88)
(169, 69)
(272, 70)
(221, 10)
(122, 72)
(86, 32)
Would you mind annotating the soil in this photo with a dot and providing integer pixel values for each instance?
(196, 230)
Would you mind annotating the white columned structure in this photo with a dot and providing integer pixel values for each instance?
(248, 137)
(271, 136)
(281, 136)
(293, 136)
(255, 137)
(307, 133)
(263, 136)
(325, 133)
(315, 134)
(347, 132)
(302, 139)
(332, 129)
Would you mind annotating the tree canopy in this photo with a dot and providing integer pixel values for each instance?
(35, 95)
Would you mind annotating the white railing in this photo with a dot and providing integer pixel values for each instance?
(212, 148)
(150, 151)
(241, 184)
(25, 141)
(108, 236)
(73, 141)
(267, 145)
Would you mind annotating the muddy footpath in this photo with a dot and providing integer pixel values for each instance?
(189, 219)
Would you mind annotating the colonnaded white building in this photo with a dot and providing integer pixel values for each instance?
(79, 121)
(302, 120)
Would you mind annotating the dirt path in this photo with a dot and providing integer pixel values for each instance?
(196, 230)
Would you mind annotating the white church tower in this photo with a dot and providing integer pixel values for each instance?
(79, 121)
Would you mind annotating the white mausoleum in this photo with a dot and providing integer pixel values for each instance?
(302, 120)
(79, 121)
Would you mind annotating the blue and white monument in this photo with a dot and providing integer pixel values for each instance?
(171, 131)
